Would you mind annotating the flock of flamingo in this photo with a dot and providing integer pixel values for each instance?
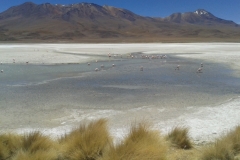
(144, 57)
(199, 70)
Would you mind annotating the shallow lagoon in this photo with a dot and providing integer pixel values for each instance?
(59, 96)
(51, 88)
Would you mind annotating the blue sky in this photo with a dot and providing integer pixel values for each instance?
(225, 9)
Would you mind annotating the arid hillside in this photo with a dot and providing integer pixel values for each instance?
(87, 22)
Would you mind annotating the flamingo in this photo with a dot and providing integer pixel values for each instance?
(155, 57)
(199, 70)
(178, 67)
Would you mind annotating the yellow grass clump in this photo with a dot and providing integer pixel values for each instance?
(36, 146)
(9, 144)
(88, 142)
(182, 154)
(36, 141)
(37, 155)
(141, 144)
(179, 138)
(92, 141)
(225, 148)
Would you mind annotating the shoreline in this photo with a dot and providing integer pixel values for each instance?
(44, 53)
(202, 129)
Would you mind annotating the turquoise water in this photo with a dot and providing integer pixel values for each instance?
(38, 93)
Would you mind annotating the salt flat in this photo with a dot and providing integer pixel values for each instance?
(207, 113)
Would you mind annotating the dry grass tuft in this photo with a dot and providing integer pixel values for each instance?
(234, 138)
(182, 154)
(140, 144)
(226, 147)
(38, 155)
(35, 146)
(179, 138)
(36, 141)
(9, 144)
(92, 141)
(87, 142)
(219, 150)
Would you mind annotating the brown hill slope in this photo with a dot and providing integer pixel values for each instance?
(199, 17)
(91, 22)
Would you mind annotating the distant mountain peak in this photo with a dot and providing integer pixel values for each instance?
(198, 17)
(202, 12)
(89, 20)
(28, 3)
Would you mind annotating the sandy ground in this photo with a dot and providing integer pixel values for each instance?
(205, 123)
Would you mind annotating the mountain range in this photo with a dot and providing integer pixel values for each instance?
(88, 22)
